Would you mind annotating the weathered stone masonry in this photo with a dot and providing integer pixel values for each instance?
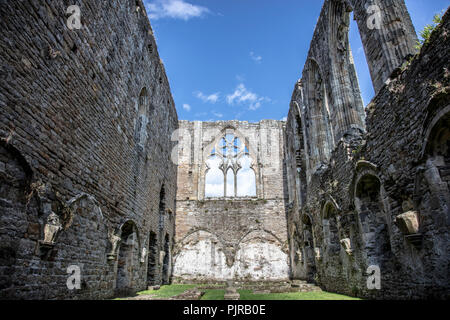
(89, 142)
(380, 195)
(85, 172)
(224, 238)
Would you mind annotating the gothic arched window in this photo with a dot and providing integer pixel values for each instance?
(229, 169)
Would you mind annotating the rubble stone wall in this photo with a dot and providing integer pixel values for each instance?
(86, 117)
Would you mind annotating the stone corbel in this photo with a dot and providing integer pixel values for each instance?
(52, 228)
(408, 223)
(346, 244)
(114, 240)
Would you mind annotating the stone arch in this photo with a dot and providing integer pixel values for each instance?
(200, 255)
(434, 182)
(330, 225)
(372, 217)
(308, 246)
(300, 155)
(261, 256)
(348, 112)
(127, 258)
(161, 210)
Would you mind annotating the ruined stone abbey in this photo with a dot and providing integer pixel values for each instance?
(99, 177)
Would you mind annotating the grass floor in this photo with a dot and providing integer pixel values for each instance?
(169, 290)
(218, 294)
(315, 295)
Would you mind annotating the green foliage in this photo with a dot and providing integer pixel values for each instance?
(425, 34)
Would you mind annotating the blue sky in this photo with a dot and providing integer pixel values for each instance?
(240, 59)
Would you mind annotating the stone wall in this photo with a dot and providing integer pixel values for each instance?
(85, 171)
(241, 238)
(382, 199)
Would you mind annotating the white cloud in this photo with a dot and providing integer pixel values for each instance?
(186, 107)
(218, 115)
(175, 9)
(242, 95)
(212, 98)
(255, 57)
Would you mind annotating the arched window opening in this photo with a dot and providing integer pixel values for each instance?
(371, 214)
(214, 178)
(438, 147)
(127, 258)
(308, 247)
(142, 120)
(162, 208)
(330, 228)
(230, 183)
(246, 178)
(166, 261)
(152, 269)
(229, 169)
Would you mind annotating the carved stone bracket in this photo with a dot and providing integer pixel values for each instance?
(408, 223)
(346, 244)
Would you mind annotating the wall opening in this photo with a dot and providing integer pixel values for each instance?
(330, 229)
(127, 259)
(372, 217)
(152, 270)
(230, 170)
(142, 120)
(166, 261)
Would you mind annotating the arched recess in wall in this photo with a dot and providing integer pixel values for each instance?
(153, 255)
(330, 220)
(434, 184)
(320, 131)
(167, 261)
(200, 255)
(308, 246)
(230, 169)
(128, 258)
(261, 256)
(372, 218)
(162, 210)
(214, 177)
(300, 156)
(142, 117)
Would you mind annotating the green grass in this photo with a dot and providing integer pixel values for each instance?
(169, 290)
(213, 294)
(218, 294)
(320, 295)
